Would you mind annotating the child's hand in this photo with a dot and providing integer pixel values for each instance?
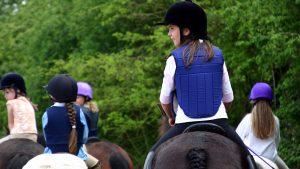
(172, 121)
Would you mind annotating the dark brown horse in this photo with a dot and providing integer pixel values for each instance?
(109, 154)
(199, 150)
(15, 153)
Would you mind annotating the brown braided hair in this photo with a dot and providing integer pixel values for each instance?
(73, 134)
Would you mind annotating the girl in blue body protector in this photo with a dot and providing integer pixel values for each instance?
(64, 124)
(196, 69)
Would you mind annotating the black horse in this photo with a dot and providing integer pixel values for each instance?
(15, 153)
(202, 145)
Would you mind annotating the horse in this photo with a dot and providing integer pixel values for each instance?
(15, 153)
(200, 149)
(110, 155)
(261, 163)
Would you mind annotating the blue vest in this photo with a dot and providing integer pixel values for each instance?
(58, 128)
(199, 87)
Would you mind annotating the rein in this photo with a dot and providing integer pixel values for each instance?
(260, 158)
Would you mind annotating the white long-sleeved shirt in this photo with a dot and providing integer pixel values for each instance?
(168, 86)
(262, 147)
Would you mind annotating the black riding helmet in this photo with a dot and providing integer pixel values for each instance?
(63, 88)
(189, 15)
(13, 80)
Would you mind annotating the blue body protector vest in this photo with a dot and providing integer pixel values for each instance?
(92, 121)
(199, 87)
(58, 129)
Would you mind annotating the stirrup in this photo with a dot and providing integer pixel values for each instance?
(209, 127)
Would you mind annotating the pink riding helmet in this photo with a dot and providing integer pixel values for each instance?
(84, 89)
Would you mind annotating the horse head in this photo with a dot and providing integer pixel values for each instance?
(110, 155)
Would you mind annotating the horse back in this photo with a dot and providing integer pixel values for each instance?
(212, 150)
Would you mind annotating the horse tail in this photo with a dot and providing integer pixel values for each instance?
(197, 158)
(117, 161)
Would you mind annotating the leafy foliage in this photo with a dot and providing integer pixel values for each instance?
(116, 47)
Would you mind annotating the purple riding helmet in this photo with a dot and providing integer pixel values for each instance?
(84, 89)
(261, 90)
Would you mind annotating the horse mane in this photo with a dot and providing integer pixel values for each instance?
(117, 161)
(19, 160)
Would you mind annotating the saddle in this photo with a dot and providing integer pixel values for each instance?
(208, 127)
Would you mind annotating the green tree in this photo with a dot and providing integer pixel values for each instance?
(116, 47)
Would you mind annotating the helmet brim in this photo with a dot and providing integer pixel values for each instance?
(161, 24)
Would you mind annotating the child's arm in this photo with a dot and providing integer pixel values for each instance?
(10, 116)
(227, 105)
(86, 129)
(226, 89)
(167, 109)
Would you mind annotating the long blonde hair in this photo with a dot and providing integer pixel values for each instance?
(193, 47)
(263, 120)
(92, 106)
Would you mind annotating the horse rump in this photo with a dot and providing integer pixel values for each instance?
(199, 150)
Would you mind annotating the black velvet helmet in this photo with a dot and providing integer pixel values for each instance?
(13, 80)
(189, 15)
(63, 88)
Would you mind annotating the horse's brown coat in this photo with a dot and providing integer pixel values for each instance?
(105, 151)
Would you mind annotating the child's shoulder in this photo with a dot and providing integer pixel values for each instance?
(217, 50)
(14, 101)
(247, 116)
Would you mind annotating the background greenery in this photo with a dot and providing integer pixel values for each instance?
(115, 46)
